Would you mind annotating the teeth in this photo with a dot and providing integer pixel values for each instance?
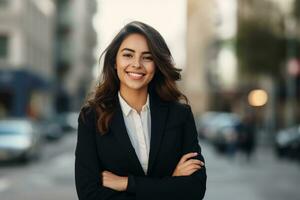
(135, 74)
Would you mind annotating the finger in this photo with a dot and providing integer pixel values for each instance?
(106, 172)
(191, 162)
(187, 169)
(105, 182)
(104, 175)
(191, 167)
(194, 161)
(106, 178)
(190, 172)
(187, 156)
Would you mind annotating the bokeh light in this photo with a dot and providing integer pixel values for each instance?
(258, 97)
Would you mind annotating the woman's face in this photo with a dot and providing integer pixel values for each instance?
(134, 63)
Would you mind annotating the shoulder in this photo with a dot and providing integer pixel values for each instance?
(180, 110)
(175, 107)
(87, 115)
(180, 107)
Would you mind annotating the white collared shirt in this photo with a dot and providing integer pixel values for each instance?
(139, 129)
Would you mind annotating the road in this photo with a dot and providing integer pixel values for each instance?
(264, 178)
(52, 177)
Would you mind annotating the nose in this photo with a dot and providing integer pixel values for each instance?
(136, 63)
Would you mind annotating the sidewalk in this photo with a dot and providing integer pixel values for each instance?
(264, 178)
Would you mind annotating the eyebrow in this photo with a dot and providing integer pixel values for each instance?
(127, 49)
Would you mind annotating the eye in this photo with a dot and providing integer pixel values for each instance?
(148, 58)
(127, 55)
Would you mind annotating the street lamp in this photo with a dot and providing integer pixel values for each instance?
(257, 97)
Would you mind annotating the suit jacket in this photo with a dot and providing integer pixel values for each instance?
(173, 134)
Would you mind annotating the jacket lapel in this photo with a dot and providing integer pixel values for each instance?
(159, 111)
(118, 128)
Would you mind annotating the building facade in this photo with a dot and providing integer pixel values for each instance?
(74, 52)
(26, 58)
(200, 36)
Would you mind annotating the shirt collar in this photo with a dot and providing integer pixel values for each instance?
(127, 108)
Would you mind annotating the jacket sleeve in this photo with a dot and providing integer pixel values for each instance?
(183, 187)
(87, 165)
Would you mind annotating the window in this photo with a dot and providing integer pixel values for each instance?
(3, 46)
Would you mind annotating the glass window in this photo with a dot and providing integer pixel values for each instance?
(3, 46)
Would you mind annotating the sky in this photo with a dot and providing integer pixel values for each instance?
(166, 16)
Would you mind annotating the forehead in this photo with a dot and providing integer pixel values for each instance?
(136, 42)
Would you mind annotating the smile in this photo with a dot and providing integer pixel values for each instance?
(135, 75)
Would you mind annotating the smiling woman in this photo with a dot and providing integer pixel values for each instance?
(136, 140)
(135, 66)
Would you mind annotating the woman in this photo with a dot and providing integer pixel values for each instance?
(135, 139)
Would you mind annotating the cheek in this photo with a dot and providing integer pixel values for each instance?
(150, 72)
(120, 66)
(151, 69)
(120, 72)
(121, 63)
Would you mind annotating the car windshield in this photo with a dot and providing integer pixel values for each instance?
(14, 128)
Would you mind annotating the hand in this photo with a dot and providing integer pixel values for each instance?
(112, 181)
(187, 166)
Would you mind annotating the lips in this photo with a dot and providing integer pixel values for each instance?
(135, 75)
(141, 73)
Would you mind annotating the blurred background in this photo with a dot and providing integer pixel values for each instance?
(240, 70)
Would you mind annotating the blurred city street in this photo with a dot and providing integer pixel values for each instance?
(240, 70)
(52, 177)
(264, 178)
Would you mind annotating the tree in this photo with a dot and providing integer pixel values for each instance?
(261, 46)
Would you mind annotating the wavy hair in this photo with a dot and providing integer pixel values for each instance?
(104, 99)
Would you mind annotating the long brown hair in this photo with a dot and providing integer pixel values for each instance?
(104, 97)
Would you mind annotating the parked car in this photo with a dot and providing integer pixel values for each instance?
(287, 142)
(51, 129)
(205, 125)
(220, 128)
(68, 121)
(19, 140)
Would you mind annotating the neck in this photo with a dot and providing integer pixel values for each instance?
(135, 98)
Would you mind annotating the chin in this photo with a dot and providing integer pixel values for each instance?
(136, 87)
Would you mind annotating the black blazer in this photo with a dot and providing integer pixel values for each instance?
(173, 134)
